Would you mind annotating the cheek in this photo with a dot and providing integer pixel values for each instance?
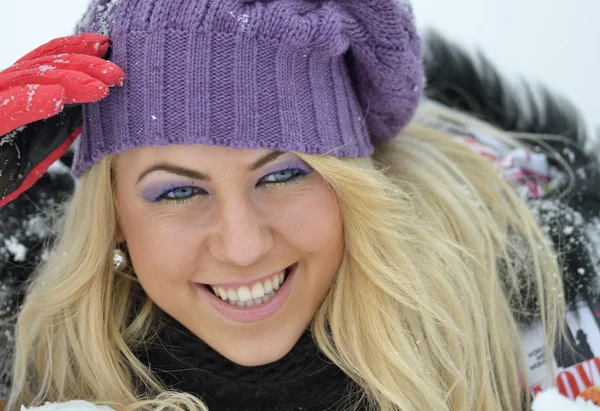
(313, 227)
(312, 223)
(161, 248)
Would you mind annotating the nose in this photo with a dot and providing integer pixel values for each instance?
(242, 235)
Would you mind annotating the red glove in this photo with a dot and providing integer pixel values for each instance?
(40, 105)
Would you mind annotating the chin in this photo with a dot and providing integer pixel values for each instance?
(260, 349)
(251, 358)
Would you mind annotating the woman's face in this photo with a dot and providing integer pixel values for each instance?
(239, 246)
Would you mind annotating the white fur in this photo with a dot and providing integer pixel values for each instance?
(76, 405)
(552, 400)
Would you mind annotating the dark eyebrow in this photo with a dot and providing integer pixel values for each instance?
(196, 175)
(267, 158)
(174, 169)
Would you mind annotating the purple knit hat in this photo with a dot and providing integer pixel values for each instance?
(328, 76)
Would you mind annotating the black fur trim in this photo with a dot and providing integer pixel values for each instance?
(472, 85)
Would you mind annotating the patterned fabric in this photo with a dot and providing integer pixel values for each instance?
(526, 170)
(519, 167)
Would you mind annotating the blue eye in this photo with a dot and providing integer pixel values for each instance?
(178, 194)
(286, 176)
(183, 194)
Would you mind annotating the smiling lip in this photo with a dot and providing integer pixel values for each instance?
(256, 312)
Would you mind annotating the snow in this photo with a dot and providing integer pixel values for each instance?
(548, 211)
(10, 137)
(14, 247)
(58, 105)
(76, 405)
(552, 400)
(106, 14)
(46, 68)
(46, 254)
(592, 231)
(36, 226)
(31, 94)
(58, 167)
(569, 154)
(243, 20)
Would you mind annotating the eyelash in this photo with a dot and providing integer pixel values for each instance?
(298, 175)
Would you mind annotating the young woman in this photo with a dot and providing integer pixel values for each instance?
(261, 222)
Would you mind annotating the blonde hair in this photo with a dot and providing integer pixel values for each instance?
(440, 256)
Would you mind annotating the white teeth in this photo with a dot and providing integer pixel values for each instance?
(220, 292)
(244, 293)
(268, 286)
(258, 291)
(231, 295)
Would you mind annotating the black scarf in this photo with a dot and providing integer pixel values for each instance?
(304, 379)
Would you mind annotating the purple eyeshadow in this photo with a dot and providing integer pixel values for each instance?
(295, 163)
(152, 191)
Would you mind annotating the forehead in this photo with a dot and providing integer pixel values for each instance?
(194, 155)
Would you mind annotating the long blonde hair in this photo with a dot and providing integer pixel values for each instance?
(440, 256)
